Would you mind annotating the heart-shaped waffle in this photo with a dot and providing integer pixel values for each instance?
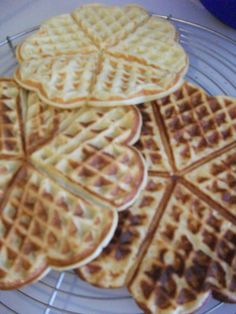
(61, 214)
(177, 243)
(102, 56)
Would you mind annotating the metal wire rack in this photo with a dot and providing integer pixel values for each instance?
(213, 67)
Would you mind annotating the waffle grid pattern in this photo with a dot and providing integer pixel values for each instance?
(218, 178)
(189, 249)
(94, 71)
(10, 137)
(106, 27)
(142, 44)
(197, 127)
(95, 158)
(36, 221)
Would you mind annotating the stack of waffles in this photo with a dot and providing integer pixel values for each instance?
(138, 196)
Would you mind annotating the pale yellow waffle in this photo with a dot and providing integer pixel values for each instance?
(176, 244)
(102, 56)
(10, 128)
(60, 215)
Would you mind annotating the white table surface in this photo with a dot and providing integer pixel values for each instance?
(17, 15)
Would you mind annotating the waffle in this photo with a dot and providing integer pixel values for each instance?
(61, 214)
(102, 56)
(176, 244)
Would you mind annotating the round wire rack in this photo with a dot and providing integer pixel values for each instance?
(213, 67)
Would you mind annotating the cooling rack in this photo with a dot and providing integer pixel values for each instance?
(213, 67)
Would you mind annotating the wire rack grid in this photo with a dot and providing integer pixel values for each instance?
(213, 67)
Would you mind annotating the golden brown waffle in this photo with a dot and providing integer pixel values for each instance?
(62, 218)
(102, 56)
(176, 244)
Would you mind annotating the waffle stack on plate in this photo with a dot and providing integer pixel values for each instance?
(75, 150)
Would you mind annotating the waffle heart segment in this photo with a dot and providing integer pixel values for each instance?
(47, 220)
(57, 36)
(106, 25)
(107, 62)
(153, 44)
(91, 155)
(197, 124)
(43, 226)
(176, 244)
(62, 80)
